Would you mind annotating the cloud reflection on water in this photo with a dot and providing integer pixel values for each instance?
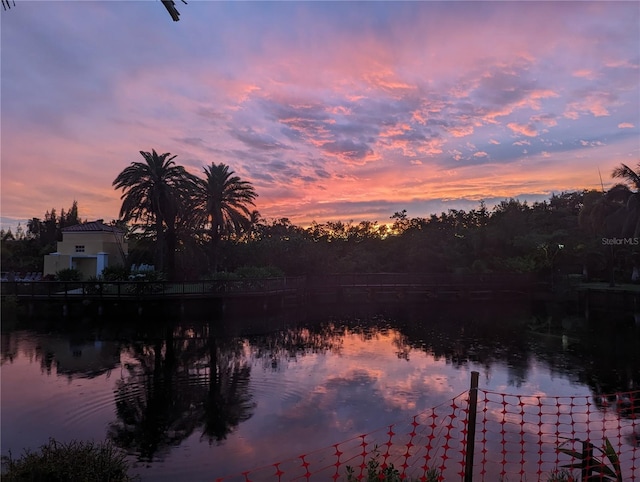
(273, 394)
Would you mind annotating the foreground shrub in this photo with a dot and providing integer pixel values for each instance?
(57, 461)
(116, 273)
(376, 473)
(257, 272)
(222, 276)
(69, 274)
(601, 464)
(147, 275)
(247, 272)
(561, 475)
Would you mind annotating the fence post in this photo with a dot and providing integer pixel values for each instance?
(471, 427)
(587, 457)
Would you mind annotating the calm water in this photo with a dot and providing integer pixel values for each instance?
(282, 386)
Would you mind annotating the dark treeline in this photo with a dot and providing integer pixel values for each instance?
(24, 250)
(192, 228)
(560, 234)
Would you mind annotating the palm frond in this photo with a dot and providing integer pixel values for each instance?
(625, 172)
(170, 5)
(6, 4)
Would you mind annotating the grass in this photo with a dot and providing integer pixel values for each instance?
(58, 462)
(561, 475)
(376, 473)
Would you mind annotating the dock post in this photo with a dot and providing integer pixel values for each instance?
(471, 427)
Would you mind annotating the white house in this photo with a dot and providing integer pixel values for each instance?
(88, 247)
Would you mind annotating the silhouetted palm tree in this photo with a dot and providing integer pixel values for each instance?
(629, 175)
(629, 194)
(154, 192)
(226, 200)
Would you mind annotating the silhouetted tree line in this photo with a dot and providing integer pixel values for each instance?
(512, 237)
(24, 250)
(191, 227)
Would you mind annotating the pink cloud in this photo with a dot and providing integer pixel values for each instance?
(460, 131)
(545, 119)
(373, 107)
(596, 104)
(591, 143)
(524, 129)
(387, 80)
(585, 74)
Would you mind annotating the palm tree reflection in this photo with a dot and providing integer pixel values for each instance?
(228, 400)
(175, 385)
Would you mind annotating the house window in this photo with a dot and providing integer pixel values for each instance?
(79, 248)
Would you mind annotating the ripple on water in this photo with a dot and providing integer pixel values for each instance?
(285, 391)
(88, 405)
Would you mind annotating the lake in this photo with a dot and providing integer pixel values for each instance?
(202, 399)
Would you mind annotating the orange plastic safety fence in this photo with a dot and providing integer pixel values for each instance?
(517, 438)
(534, 437)
(430, 442)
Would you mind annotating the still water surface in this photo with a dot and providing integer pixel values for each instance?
(195, 400)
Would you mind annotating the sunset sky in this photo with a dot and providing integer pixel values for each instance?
(333, 110)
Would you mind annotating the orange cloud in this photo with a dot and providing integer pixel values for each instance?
(595, 104)
(585, 74)
(524, 129)
(460, 131)
(350, 112)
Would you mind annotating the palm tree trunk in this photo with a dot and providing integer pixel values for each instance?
(215, 243)
(213, 256)
(160, 246)
(171, 253)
